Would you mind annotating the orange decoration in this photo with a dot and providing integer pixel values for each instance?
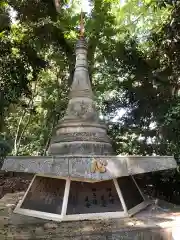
(98, 166)
(81, 25)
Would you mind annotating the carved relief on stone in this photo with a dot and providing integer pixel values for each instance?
(82, 148)
(98, 166)
(74, 110)
(82, 136)
(83, 110)
(81, 57)
(81, 82)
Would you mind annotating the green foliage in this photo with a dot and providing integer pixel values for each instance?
(4, 149)
(133, 62)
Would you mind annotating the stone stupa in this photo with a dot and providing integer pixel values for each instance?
(82, 178)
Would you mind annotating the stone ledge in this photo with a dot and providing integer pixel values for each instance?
(80, 166)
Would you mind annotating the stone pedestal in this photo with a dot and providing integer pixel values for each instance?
(155, 222)
(72, 188)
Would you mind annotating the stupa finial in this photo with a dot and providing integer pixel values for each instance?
(81, 25)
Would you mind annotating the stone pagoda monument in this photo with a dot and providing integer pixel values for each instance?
(82, 178)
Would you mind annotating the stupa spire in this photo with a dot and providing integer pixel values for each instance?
(81, 85)
(81, 131)
(82, 29)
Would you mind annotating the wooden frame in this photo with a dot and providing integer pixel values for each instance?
(139, 207)
(94, 216)
(66, 197)
(138, 188)
(39, 214)
(120, 195)
(76, 217)
(105, 215)
(22, 200)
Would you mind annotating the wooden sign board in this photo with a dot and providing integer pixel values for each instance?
(45, 195)
(97, 197)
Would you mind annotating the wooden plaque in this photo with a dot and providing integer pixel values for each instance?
(93, 198)
(45, 195)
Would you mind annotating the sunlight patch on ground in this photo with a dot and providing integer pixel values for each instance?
(176, 229)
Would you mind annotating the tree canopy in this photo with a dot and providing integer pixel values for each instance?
(133, 54)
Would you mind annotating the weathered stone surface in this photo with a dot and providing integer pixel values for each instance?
(81, 112)
(48, 226)
(137, 164)
(80, 166)
(83, 148)
(41, 165)
(82, 136)
(39, 231)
